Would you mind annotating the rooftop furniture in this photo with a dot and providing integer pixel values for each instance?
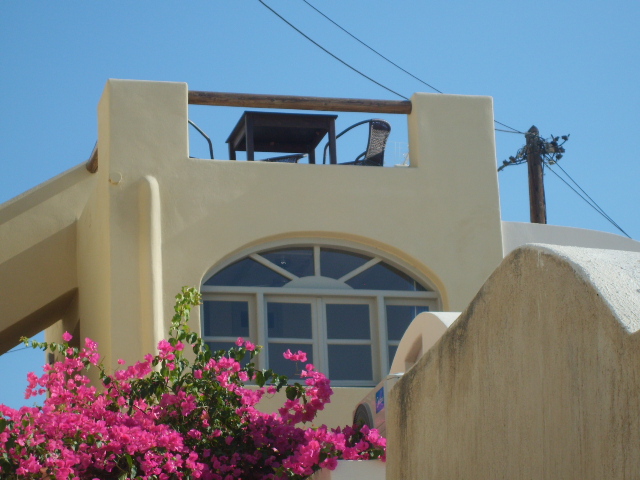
(374, 154)
(282, 132)
(206, 137)
(285, 158)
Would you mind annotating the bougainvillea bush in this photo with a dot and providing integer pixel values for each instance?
(169, 418)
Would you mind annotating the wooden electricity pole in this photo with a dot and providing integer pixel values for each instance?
(537, 203)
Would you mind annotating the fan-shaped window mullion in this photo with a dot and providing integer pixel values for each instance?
(260, 259)
(360, 269)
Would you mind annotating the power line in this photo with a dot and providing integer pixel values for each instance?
(372, 49)
(327, 51)
(512, 130)
(16, 350)
(591, 203)
(576, 184)
(508, 131)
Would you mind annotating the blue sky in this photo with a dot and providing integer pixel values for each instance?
(565, 66)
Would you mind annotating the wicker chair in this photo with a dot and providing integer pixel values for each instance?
(374, 154)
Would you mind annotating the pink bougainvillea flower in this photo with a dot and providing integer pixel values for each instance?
(167, 417)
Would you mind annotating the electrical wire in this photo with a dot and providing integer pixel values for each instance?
(593, 202)
(576, 184)
(327, 51)
(512, 130)
(508, 131)
(16, 350)
(593, 205)
(588, 199)
(372, 49)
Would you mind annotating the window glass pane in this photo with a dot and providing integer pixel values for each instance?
(215, 346)
(225, 319)
(350, 362)
(337, 263)
(289, 320)
(281, 365)
(392, 353)
(247, 273)
(298, 261)
(384, 277)
(399, 317)
(348, 321)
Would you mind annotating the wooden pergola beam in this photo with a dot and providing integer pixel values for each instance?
(327, 104)
(285, 102)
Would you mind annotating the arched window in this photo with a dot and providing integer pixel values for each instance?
(346, 308)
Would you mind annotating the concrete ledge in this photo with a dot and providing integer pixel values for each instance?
(353, 470)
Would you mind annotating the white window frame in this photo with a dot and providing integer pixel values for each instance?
(319, 291)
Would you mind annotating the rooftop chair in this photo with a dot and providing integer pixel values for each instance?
(206, 137)
(374, 154)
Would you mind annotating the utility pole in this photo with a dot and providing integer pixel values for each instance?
(537, 203)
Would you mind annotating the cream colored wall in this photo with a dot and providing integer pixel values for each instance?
(423, 332)
(538, 378)
(142, 136)
(38, 278)
(337, 413)
(440, 216)
(156, 220)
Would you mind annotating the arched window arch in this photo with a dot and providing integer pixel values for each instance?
(347, 308)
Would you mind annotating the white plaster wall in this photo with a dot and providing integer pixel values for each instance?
(353, 470)
(516, 234)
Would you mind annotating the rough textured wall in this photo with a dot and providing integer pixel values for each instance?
(539, 377)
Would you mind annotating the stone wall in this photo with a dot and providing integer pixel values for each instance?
(538, 378)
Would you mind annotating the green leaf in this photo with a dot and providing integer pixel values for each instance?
(291, 392)
(260, 380)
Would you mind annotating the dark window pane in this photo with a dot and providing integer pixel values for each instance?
(298, 261)
(392, 353)
(281, 365)
(215, 346)
(350, 362)
(225, 319)
(348, 321)
(247, 273)
(384, 277)
(337, 263)
(289, 320)
(399, 317)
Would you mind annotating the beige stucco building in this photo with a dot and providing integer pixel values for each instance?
(284, 254)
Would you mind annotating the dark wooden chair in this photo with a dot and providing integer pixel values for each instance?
(374, 154)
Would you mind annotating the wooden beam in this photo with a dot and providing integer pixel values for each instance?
(537, 202)
(92, 163)
(326, 104)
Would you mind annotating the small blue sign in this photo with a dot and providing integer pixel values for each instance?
(380, 400)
